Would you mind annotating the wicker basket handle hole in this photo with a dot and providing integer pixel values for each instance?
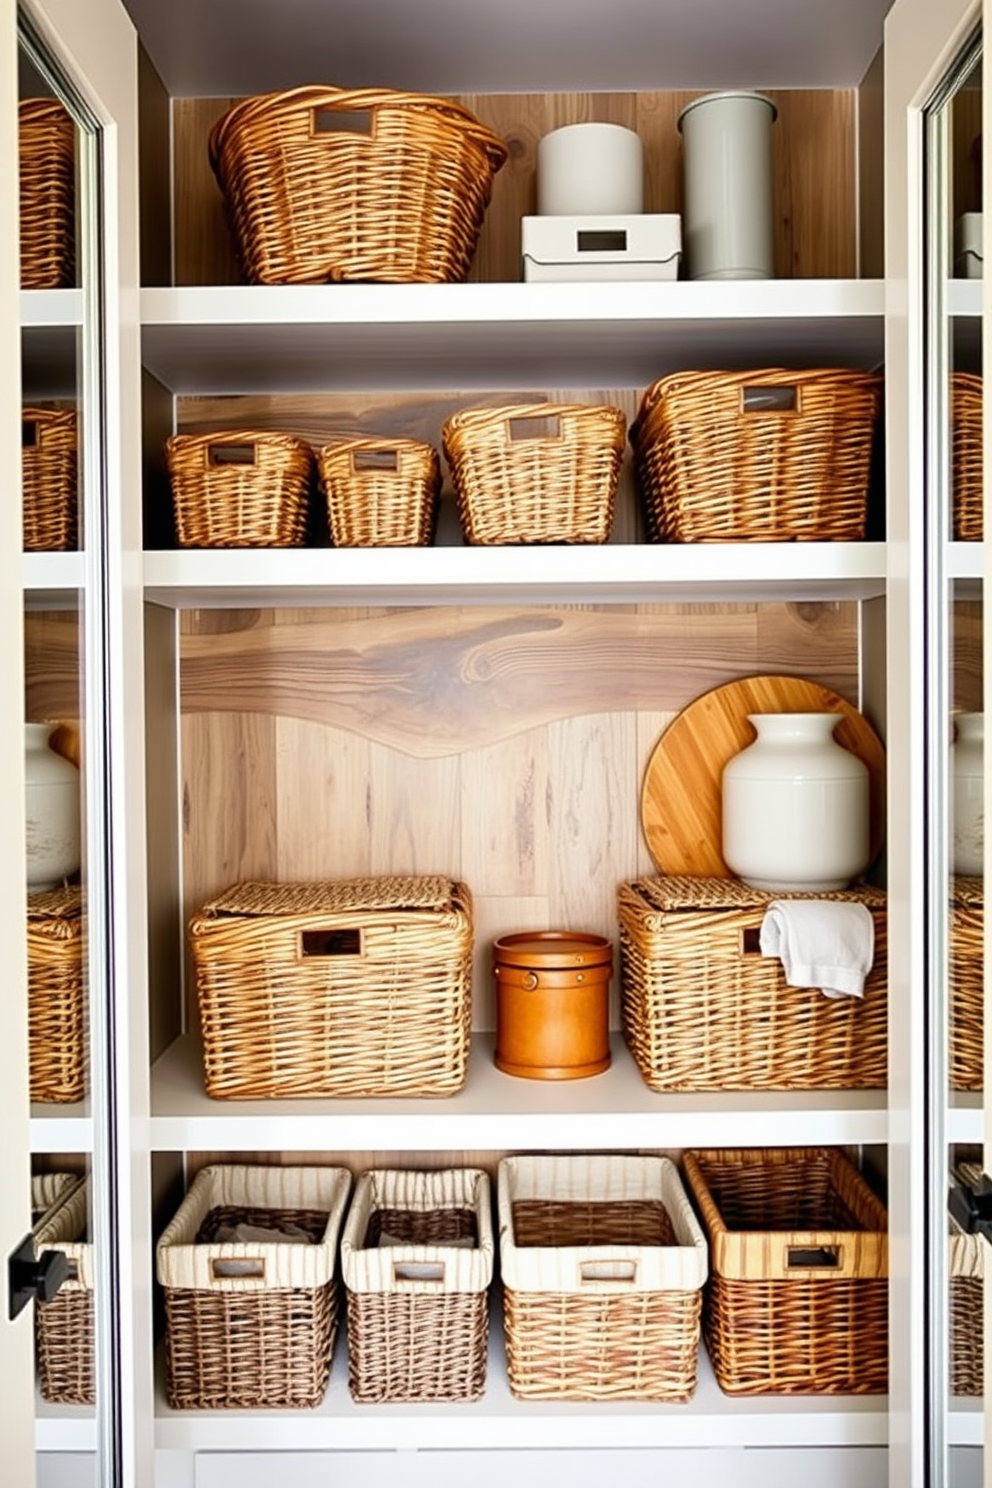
(751, 942)
(342, 121)
(812, 1257)
(231, 454)
(769, 400)
(331, 943)
(601, 240)
(29, 433)
(418, 1271)
(619, 1271)
(247, 1268)
(383, 459)
(542, 426)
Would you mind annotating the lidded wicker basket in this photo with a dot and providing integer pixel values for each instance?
(760, 456)
(56, 1002)
(240, 488)
(966, 456)
(47, 161)
(64, 1326)
(536, 473)
(48, 477)
(354, 184)
(380, 492)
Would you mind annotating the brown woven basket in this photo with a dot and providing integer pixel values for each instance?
(56, 1001)
(417, 1260)
(966, 972)
(64, 1326)
(761, 456)
(48, 465)
(240, 488)
(359, 987)
(966, 1266)
(47, 158)
(366, 183)
(251, 1322)
(797, 1301)
(536, 473)
(380, 493)
(966, 456)
(704, 1010)
(603, 1265)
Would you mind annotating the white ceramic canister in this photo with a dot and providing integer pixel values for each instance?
(968, 795)
(796, 806)
(52, 809)
(727, 226)
(590, 170)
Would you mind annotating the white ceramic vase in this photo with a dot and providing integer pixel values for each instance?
(796, 806)
(52, 802)
(967, 795)
(590, 170)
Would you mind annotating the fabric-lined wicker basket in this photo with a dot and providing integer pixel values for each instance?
(354, 184)
(380, 492)
(57, 1062)
(47, 166)
(603, 1264)
(240, 488)
(966, 457)
(704, 1010)
(359, 987)
(966, 1269)
(536, 473)
(417, 1260)
(760, 456)
(965, 973)
(797, 1299)
(48, 477)
(251, 1305)
(64, 1326)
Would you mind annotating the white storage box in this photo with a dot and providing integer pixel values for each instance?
(968, 258)
(647, 246)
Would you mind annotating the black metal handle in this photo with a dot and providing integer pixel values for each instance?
(972, 1207)
(34, 1280)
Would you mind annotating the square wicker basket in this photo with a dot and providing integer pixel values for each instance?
(240, 488)
(797, 1300)
(64, 1326)
(603, 1264)
(47, 162)
(966, 1269)
(49, 480)
(251, 1316)
(417, 1260)
(359, 987)
(966, 970)
(56, 1002)
(380, 493)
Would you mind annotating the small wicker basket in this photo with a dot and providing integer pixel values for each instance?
(56, 1002)
(380, 493)
(966, 1268)
(965, 974)
(797, 1300)
(966, 457)
(367, 183)
(536, 473)
(417, 1260)
(704, 1010)
(48, 465)
(603, 1264)
(762, 456)
(64, 1326)
(47, 160)
(360, 987)
(251, 1316)
(240, 488)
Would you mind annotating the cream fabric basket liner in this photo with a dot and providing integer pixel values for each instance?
(63, 1225)
(279, 1265)
(966, 1252)
(598, 1268)
(394, 1268)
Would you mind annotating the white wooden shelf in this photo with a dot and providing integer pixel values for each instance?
(58, 1128)
(964, 1118)
(64, 1428)
(53, 581)
(966, 1421)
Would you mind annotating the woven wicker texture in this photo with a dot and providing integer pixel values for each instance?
(966, 456)
(759, 456)
(56, 1002)
(380, 493)
(48, 478)
(240, 488)
(330, 184)
(704, 1010)
(47, 162)
(535, 473)
(64, 1326)
(965, 973)
(966, 1267)
(797, 1301)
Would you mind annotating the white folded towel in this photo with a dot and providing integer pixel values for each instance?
(821, 943)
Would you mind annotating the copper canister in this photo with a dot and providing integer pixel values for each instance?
(552, 1004)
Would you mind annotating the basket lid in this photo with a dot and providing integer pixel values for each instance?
(552, 948)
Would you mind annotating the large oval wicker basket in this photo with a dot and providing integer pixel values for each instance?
(331, 183)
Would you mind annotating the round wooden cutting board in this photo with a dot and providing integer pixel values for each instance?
(681, 794)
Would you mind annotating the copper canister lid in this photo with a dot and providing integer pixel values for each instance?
(552, 948)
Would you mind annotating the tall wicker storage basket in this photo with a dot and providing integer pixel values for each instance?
(47, 158)
(603, 1264)
(48, 477)
(56, 1001)
(966, 973)
(251, 1316)
(64, 1326)
(966, 1268)
(417, 1261)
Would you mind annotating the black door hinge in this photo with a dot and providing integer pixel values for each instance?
(34, 1280)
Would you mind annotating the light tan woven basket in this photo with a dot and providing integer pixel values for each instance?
(536, 473)
(417, 1260)
(966, 1268)
(966, 457)
(761, 456)
(603, 1264)
(797, 1300)
(380, 493)
(966, 970)
(358, 987)
(252, 1322)
(365, 183)
(48, 475)
(64, 1326)
(56, 1002)
(47, 159)
(240, 488)
(704, 1010)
